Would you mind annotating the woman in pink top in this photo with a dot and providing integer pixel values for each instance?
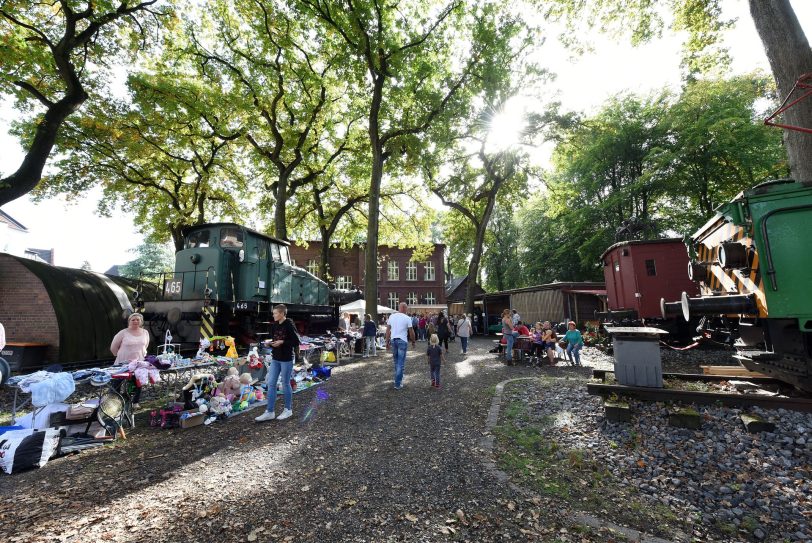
(132, 342)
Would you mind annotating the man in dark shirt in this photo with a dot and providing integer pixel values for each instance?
(284, 341)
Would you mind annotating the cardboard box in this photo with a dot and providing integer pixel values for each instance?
(196, 419)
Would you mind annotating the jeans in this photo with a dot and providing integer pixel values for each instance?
(464, 344)
(285, 369)
(370, 347)
(421, 334)
(435, 374)
(399, 358)
(509, 347)
(574, 350)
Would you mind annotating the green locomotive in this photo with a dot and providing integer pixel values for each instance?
(754, 267)
(227, 279)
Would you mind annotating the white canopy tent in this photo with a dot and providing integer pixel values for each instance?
(359, 307)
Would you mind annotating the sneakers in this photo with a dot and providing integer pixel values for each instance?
(285, 414)
(267, 415)
(398, 387)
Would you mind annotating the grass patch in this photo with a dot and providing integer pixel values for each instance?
(529, 448)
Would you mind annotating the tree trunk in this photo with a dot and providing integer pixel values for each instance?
(28, 175)
(371, 256)
(476, 257)
(280, 208)
(790, 57)
(324, 264)
(177, 236)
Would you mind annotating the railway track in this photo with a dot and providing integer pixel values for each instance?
(699, 397)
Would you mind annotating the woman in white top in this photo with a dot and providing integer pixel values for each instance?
(464, 332)
(132, 342)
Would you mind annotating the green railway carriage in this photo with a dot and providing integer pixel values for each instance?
(226, 280)
(753, 262)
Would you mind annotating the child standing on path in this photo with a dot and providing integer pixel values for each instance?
(435, 357)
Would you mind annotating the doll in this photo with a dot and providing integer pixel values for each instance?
(254, 361)
(201, 351)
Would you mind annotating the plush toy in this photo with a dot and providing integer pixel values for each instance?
(198, 389)
(201, 351)
(247, 393)
(232, 350)
(230, 387)
(220, 406)
(254, 361)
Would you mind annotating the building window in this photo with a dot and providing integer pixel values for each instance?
(344, 282)
(394, 270)
(411, 271)
(393, 300)
(313, 266)
(379, 271)
(430, 299)
(651, 269)
(411, 299)
(429, 273)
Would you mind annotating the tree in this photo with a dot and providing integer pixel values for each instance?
(151, 258)
(49, 53)
(296, 97)
(790, 57)
(406, 51)
(713, 148)
(784, 41)
(501, 263)
(169, 155)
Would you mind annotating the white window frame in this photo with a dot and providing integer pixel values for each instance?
(429, 273)
(313, 266)
(344, 282)
(430, 299)
(393, 270)
(411, 271)
(393, 300)
(411, 298)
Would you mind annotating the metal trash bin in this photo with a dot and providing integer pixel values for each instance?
(637, 355)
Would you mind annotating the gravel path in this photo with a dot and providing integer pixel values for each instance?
(357, 462)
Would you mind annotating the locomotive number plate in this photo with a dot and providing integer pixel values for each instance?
(173, 288)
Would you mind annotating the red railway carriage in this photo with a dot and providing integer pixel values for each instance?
(639, 273)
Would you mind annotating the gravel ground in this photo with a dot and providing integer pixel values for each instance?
(362, 462)
(719, 483)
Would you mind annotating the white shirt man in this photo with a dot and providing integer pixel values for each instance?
(399, 331)
(516, 318)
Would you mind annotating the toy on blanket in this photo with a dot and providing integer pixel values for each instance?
(254, 361)
(248, 394)
(232, 350)
(198, 390)
(201, 351)
(144, 372)
(230, 387)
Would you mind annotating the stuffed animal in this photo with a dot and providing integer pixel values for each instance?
(247, 393)
(199, 387)
(201, 351)
(220, 406)
(232, 350)
(230, 387)
(254, 362)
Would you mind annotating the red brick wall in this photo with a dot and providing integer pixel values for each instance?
(25, 307)
(351, 262)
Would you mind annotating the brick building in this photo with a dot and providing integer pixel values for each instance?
(420, 284)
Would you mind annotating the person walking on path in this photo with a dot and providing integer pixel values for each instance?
(464, 332)
(435, 358)
(575, 343)
(284, 341)
(370, 333)
(421, 328)
(398, 331)
(443, 330)
(507, 333)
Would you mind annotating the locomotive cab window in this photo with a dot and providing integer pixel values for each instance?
(277, 256)
(231, 237)
(651, 269)
(285, 254)
(197, 239)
